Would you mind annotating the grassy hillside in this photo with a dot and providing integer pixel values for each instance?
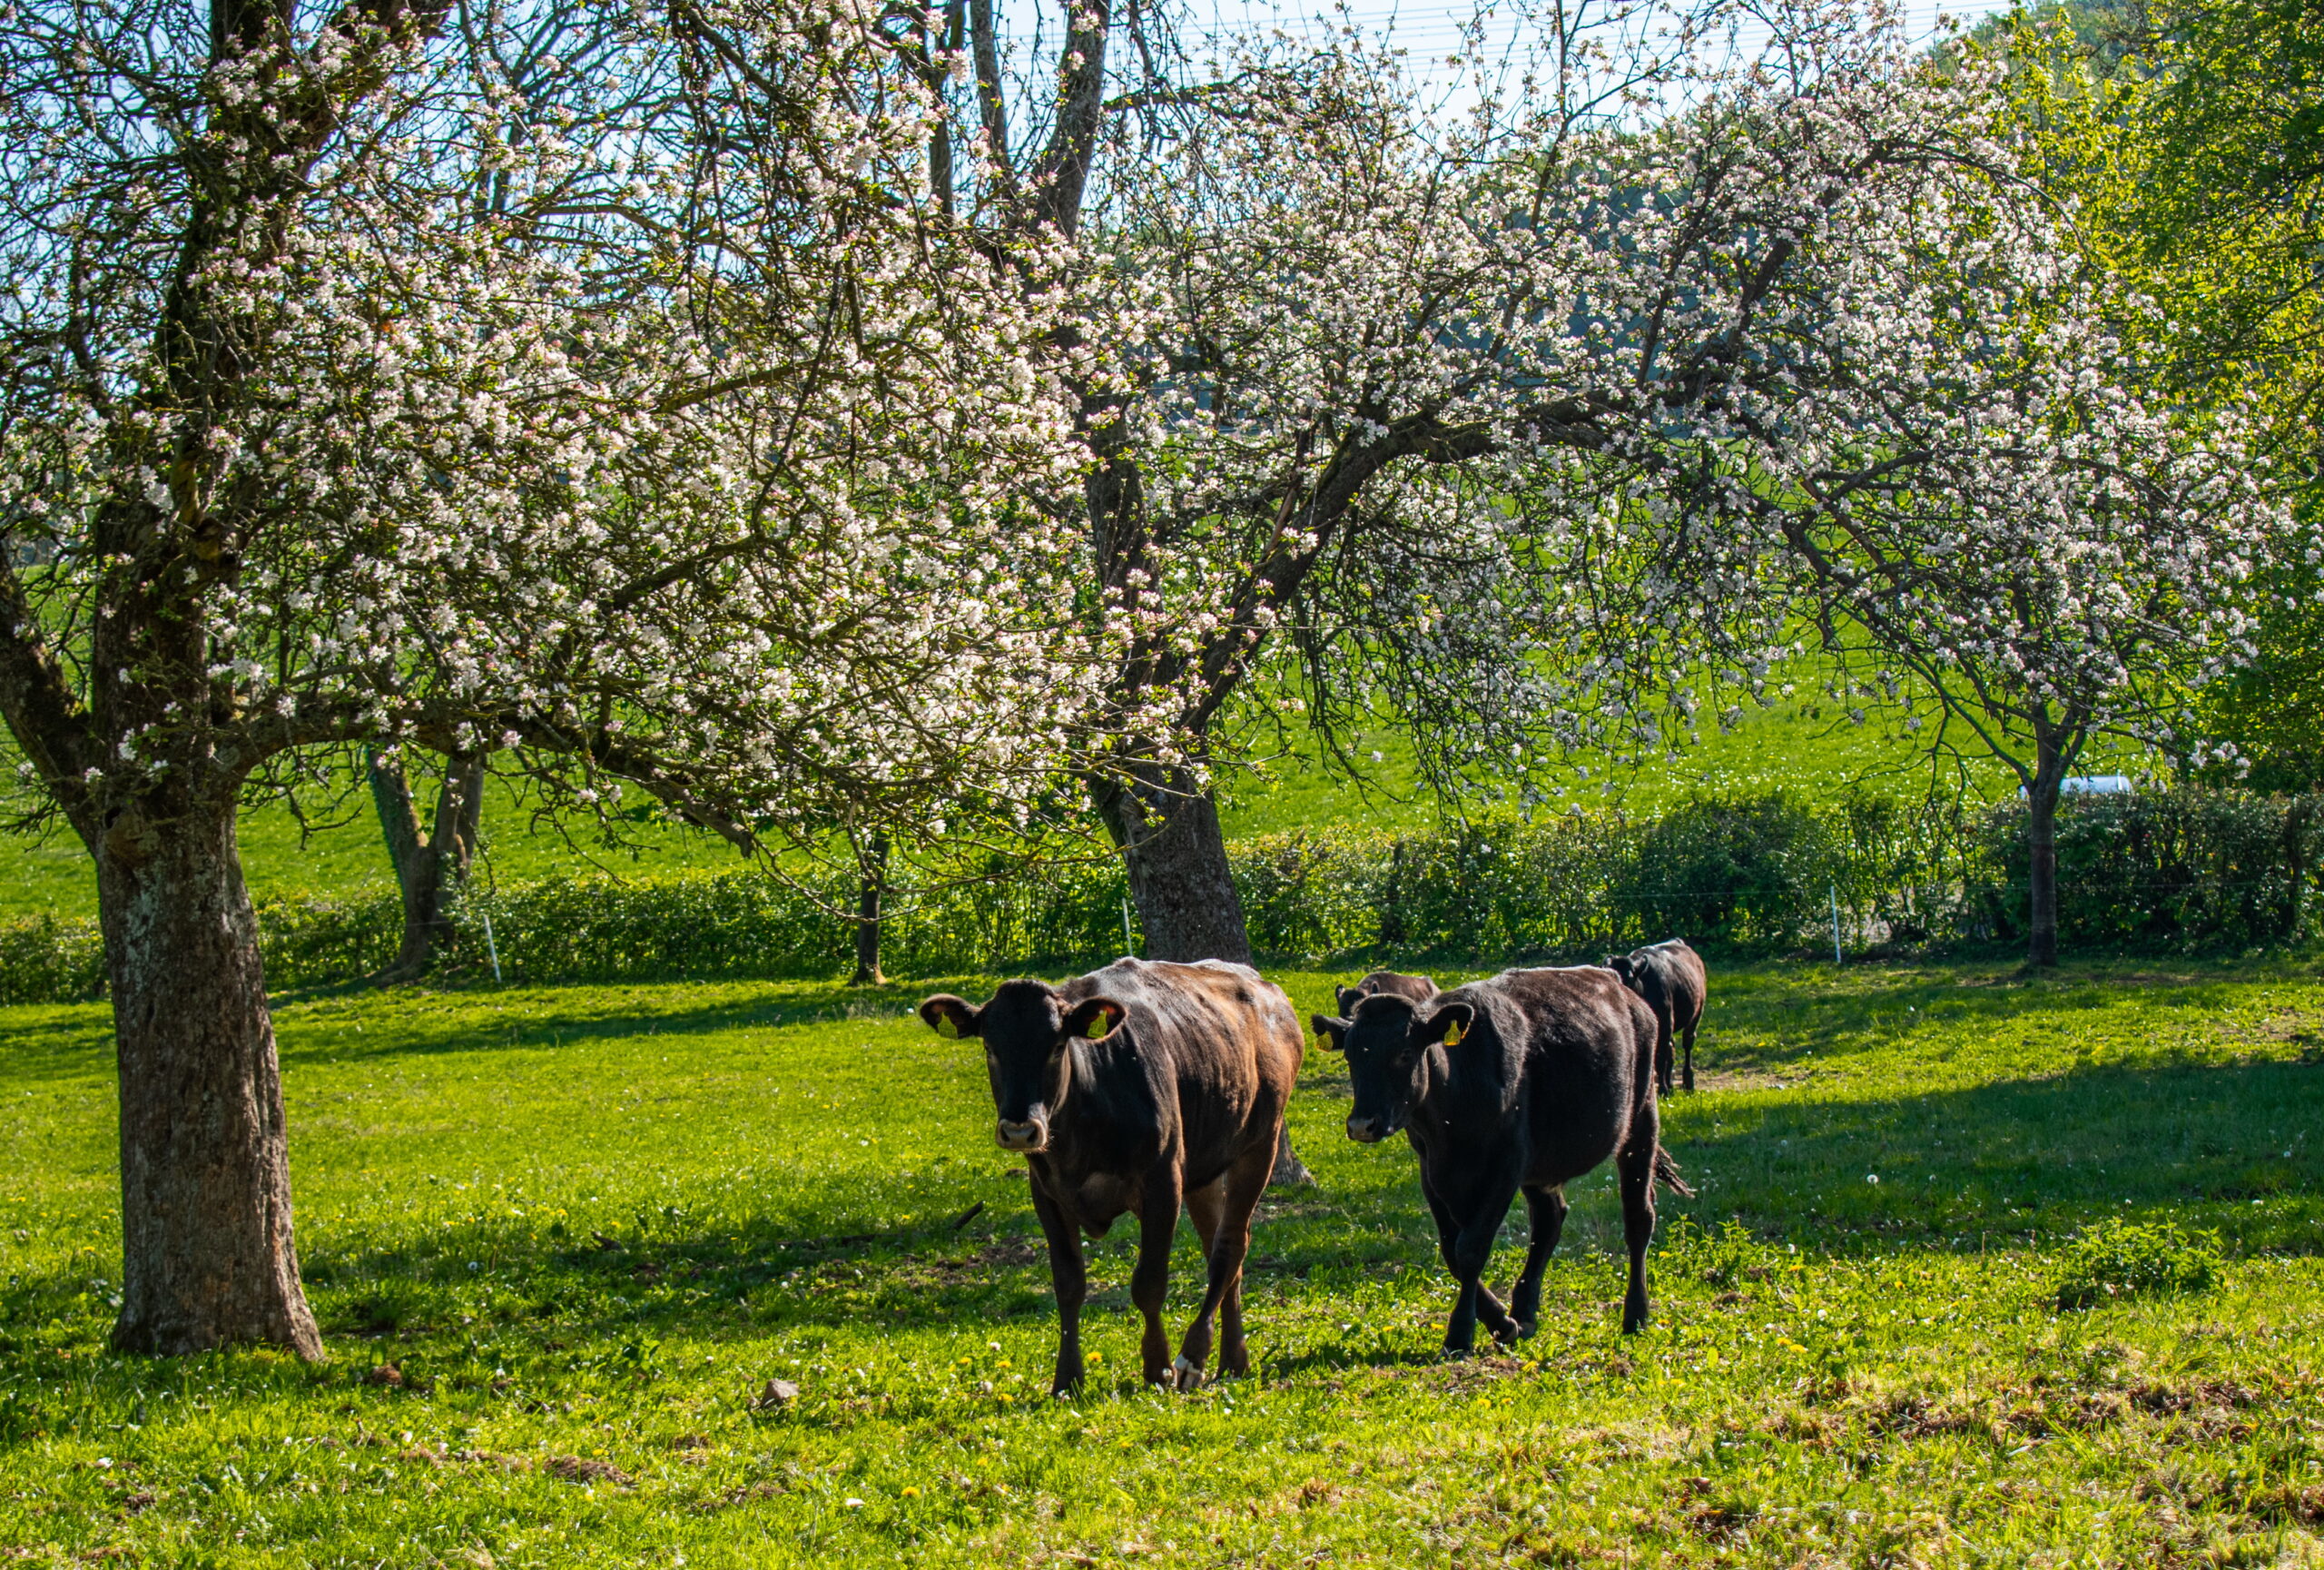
(1805, 746)
(586, 1226)
(346, 853)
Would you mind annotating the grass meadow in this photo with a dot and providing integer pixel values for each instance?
(585, 1226)
(1804, 745)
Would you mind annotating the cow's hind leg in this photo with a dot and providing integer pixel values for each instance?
(1665, 1042)
(1545, 1208)
(1637, 1166)
(1149, 1283)
(1226, 1240)
(1206, 1207)
(1070, 1278)
(1690, 1055)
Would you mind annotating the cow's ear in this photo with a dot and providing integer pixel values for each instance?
(1447, 1024)
(1095, 1018)
(950, 1016)
(1346, 998)
(1332, 1031)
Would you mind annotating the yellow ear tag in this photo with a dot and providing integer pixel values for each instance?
(1452, 1035)
(1097, 1026)
(946, 1028)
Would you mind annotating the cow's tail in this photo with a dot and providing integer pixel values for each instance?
(1666, 1172)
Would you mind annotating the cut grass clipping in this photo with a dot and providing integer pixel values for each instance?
(2118, 1259)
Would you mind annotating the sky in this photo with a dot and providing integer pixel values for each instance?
(1430, 29)
(1434, 25)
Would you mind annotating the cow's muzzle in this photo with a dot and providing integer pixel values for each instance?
(1029, 1138)
(1367, 1130)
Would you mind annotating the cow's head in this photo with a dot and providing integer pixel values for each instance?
(1389, 1042)
(1622, 966)
(1029, 1031)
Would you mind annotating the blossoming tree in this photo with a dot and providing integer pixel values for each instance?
(1534, 419)
(590, 383)
(1919, 437)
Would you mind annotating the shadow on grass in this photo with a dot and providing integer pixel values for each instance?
(487, 1019)
(1761, 1013)
(1877, 1174)
(1952, 1168)
(2200, 1144)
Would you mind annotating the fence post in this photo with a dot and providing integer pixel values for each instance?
(491, 948)
(1129, 947)
(1836, 925)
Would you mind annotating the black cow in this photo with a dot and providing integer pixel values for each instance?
(1670, 977)
(1527, 1082)
(1419, 989)
(1135, 1089)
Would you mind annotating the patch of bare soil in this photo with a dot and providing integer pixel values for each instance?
(965, 1269)
(582, 1469)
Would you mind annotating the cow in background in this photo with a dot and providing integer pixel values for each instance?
(1134, 1090)
(1670, 977)
(1419, 989)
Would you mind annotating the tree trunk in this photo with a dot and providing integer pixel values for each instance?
(1167, 827)
(207, 1257)
(2041, 856)
(874, 867)
(428, 867)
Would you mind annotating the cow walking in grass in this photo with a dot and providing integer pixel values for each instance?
(1521, 1082)
(1134, 1090)
(1670, 977)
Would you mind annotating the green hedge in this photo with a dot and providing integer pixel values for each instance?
(2182, 869)
(1759, 874)
(43, 960)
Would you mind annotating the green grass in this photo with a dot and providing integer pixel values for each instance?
(344, 854)
(587, 1225)
(1804, 744)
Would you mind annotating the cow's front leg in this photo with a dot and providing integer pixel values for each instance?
(1482, 1304)
(1070, 1278)
(1149, 1283)
(1468, 1256)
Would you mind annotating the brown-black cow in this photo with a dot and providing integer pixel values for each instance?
(1523, 1082)
(1133, 1090)
(1419, 989)
(1670, 977)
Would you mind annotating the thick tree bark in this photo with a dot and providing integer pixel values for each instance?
(1166, 826)
(206, 1237)
(2041, 855)
(1166, 829)
(431, 867)
(874, 865)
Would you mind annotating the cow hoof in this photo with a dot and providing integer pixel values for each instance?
(1188, 1375)
(1456, 1354)
(1528, 1329)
